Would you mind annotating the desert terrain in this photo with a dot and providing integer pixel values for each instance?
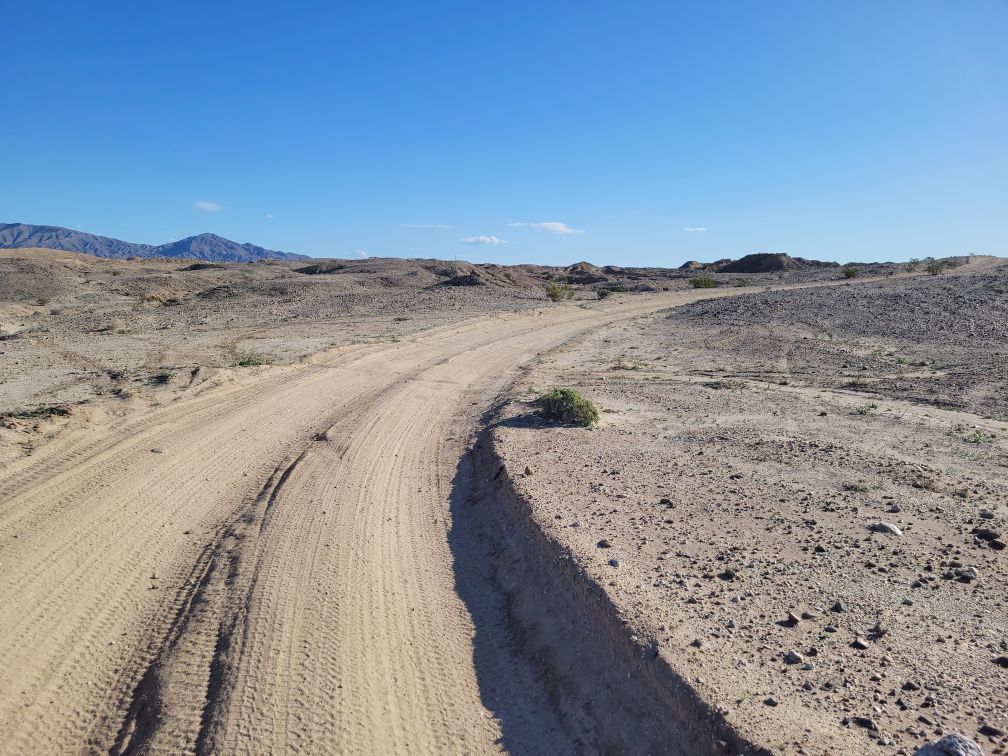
(313, 506)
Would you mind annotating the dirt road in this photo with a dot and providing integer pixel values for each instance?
(266, 567)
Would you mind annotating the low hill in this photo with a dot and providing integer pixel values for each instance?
(202, 247)
(758, 262)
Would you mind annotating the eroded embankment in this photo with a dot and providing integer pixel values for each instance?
(612, 691)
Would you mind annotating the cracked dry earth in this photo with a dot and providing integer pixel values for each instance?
(809, 529)
(266, 567)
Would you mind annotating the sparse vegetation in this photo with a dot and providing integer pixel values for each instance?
(912, 265)
(569, 406)
(978, 437)
(603, 293)
(703, 282)
(849, 271)
(558, 292)
(623, 364)
(250, 358)
(934, 267)
(37, 413)
(867, 409)
(742, 282)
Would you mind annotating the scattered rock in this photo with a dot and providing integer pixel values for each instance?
(950, 745)
(528, 470)
(967, 574)
(886, 527)
(157, 450)
(770, 701)
(860, 644)
(604, 544)
(614, 562)
(793, 657)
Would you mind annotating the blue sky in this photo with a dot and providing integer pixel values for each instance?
(569, 130)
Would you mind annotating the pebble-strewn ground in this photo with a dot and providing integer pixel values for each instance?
(811, 526)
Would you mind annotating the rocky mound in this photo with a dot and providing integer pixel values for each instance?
(771, 262)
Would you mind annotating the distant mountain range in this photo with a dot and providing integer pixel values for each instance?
(203, 247)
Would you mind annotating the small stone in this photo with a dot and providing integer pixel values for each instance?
(157, 450)
(894, 509)
(696, 643)
(867, 722)
(838, 608)
(1001, 661)
(614, 562)
(792, 619)
(604, 544)
(528, 470)
(967, 574)
(950, 745)
(728, 574)
(793, 657)
(986, 514)
(154, 576)
(886, 527)
(770, 701)
(860, 644)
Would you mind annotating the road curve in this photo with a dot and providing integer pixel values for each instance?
(265, 566)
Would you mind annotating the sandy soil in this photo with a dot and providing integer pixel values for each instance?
(727, 502)
(325, 553)
(265, 564)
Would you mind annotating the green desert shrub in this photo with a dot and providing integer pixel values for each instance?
(603, 293)
(934, 267)
(850, 271)
(250, 358)
(742, 282)
(558, 292)
(913, 263)
(568, 406)
(702, 282)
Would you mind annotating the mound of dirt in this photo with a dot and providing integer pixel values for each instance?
(585, 273)
(322, 268)
(771, 262)
(25, 280)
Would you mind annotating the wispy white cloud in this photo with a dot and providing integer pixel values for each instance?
(360, 253)
(694, 228)
(482, 240)
(269, 216)
(425, 225)
(554, 227)
(208, 207)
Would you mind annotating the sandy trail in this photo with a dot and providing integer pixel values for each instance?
(277, 575)
(265, 566)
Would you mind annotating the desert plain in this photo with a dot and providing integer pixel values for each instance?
(315, 507)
